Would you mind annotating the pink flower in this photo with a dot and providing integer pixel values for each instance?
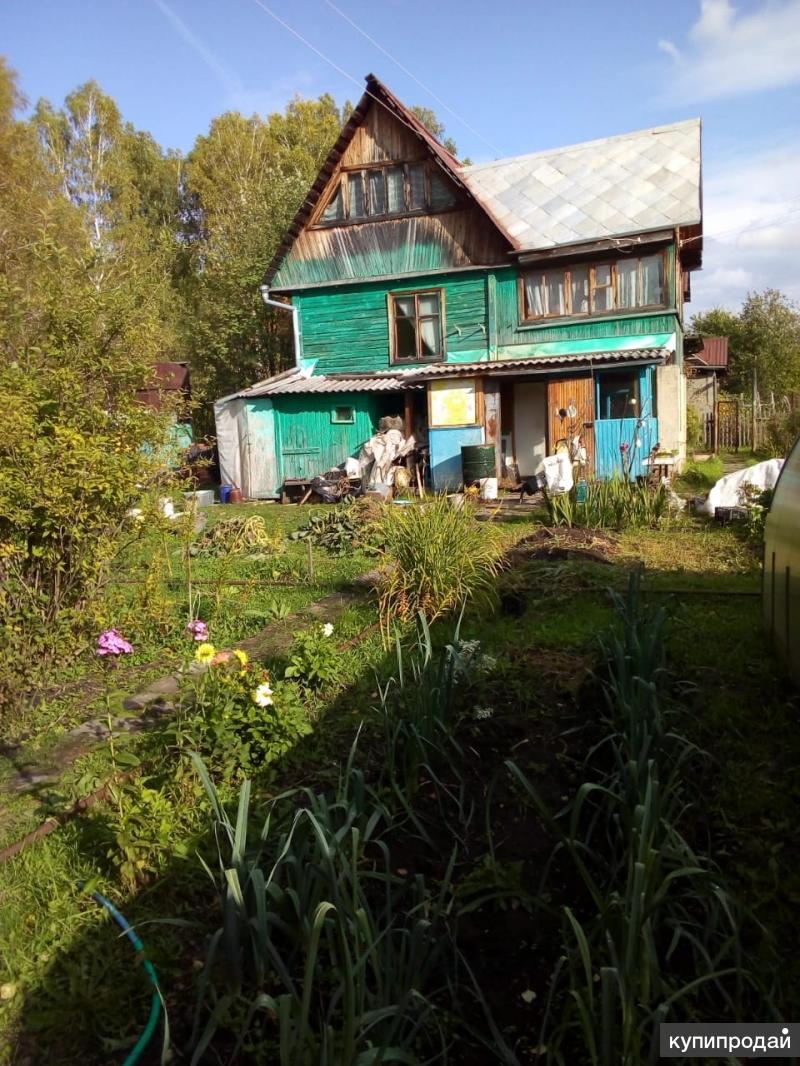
(198, 629)
(110, 642)
(624, 447)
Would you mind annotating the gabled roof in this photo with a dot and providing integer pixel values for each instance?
(376, 93)
(632, 183)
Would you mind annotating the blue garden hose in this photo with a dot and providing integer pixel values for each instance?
(155, 1006)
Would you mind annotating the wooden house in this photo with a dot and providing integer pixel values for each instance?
(524, 302)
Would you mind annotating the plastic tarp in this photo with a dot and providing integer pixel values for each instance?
(729, 491)
(229, 415)
(380, 452)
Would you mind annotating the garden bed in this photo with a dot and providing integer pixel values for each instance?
(71, 994)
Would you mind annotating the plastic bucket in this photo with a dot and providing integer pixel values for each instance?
(225, 493)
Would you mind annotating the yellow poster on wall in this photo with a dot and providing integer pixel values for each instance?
(453, 403)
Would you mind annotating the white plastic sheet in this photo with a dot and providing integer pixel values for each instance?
(558, 472)
(729, 490)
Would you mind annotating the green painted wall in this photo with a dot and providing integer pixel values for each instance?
(346, 328)
(309, 443)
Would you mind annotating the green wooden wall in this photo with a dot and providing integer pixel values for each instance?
(346, 328)
(309, 442)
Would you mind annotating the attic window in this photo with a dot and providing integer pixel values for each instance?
(379, 192)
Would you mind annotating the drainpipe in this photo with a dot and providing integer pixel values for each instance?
(295, 320)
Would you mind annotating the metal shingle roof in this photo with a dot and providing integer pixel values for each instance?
(628, 184)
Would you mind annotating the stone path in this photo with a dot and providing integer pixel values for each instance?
(156, 701)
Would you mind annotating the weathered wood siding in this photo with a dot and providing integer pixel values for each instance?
(411, 245)
(347, 329)
(455, 237)
(309, 443)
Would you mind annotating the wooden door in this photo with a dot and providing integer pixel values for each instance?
(570, 413)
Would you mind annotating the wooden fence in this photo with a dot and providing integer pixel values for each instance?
(733, 427)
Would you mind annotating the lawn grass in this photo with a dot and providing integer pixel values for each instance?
(72, 975)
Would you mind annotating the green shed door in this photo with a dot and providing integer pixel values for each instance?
(313, 438)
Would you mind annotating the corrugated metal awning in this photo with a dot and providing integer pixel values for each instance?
(541, 364)
(297, 382)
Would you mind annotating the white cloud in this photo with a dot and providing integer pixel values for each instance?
(751, 209)
(729, 53)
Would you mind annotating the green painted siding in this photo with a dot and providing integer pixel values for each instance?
(347, 328)
(309, 443)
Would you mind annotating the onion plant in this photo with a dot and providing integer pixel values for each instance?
(657, 937)
(326, 950)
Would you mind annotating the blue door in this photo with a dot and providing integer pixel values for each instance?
(626, 425)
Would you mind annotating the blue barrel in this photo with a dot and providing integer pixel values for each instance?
(225, 493)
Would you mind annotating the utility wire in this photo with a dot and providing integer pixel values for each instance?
(330, 62)
(414, 78)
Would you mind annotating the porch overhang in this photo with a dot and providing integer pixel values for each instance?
(539, 366)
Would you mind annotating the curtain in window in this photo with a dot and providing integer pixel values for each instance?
(335, 209)
(627, 272)
(579, 290)
(652, 280)
(441, 196)
(535, 295)
(556, 297)
(416, 186)
(355, 189)
(395, 189)
(603, 290)
(377, 193)
(429, 324)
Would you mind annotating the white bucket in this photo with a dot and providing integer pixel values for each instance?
(488, 488)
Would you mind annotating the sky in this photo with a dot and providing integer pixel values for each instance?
(506, 78)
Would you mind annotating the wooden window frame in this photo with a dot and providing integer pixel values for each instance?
(416, 293)
(341, 182)
(343, 421)
(526, 318)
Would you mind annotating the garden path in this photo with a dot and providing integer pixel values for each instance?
(147, 707)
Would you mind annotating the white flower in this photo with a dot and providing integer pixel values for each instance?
(327, 629)
(263, 695)
(483, 712)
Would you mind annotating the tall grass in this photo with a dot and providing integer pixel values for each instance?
(658, 935)
(440, 559)
(613, 504)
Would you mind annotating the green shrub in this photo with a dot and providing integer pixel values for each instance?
(440, 559)
(344, 527)
(236, 717)
(781, 433)
(314, 659)
(613, 504)
(695, 438)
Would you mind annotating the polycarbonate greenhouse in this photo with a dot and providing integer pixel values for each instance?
(782, 564)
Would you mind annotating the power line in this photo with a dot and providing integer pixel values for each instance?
(413, 77)
(331, 63)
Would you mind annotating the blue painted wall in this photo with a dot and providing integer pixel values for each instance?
(445, 445)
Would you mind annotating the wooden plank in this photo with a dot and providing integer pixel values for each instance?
(574, 395)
